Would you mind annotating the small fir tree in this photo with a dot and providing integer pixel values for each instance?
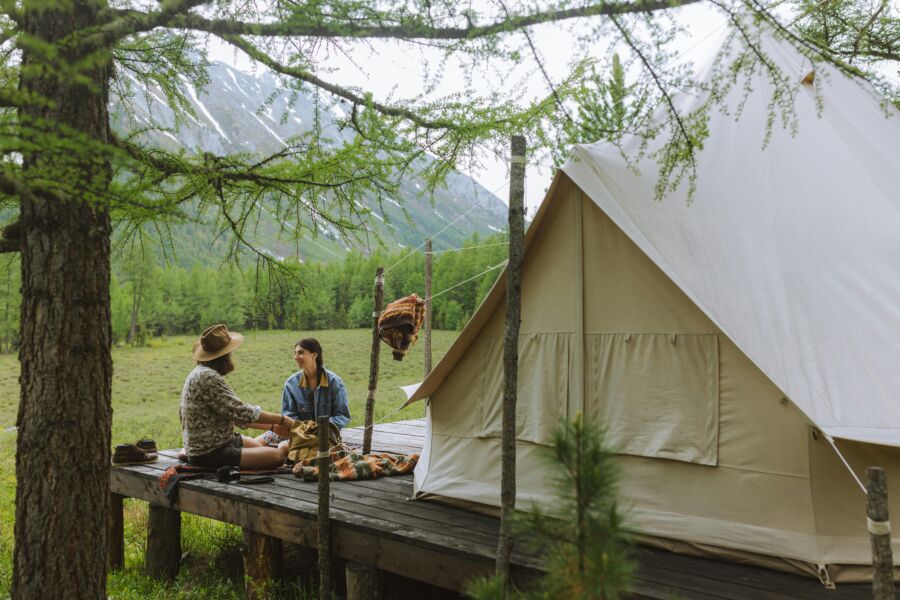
(584, 542)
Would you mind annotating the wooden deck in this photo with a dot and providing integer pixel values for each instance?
(376, 523)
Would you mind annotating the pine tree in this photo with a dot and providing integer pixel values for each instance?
(582, 537)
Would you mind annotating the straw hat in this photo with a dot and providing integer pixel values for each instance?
(216, 341)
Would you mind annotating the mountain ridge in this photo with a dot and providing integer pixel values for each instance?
(237, 112)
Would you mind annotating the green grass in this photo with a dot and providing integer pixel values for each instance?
(146, 386)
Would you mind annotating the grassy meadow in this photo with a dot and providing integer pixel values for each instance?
(147, 383)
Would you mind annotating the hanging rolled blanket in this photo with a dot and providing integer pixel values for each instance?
(399, 324)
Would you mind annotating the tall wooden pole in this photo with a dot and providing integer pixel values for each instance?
(324, 464)
(373, 362)
(427, 342)
(511, 353)
(879, 524)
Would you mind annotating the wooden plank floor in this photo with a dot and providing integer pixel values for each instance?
(377, 523)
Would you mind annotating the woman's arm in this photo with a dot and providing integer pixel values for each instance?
(340, 406)
(290, 399)
(272, 421)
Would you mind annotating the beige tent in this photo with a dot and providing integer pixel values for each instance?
(730, 406)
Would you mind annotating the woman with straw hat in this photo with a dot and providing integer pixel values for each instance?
(209, 411)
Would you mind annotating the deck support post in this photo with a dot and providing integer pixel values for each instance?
(115, 548)
(163, 555)
(262, 563)
(363, 582)
(324, 541)
(879, 525)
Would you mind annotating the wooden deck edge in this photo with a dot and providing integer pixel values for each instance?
(405, 556)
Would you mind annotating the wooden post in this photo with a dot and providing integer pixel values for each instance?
(427, 340)
(879, 525)
(163, 554)
(511, 354)
(363, 582)
(373, 361)
(324, 463)
(262, 564)
(115, 548)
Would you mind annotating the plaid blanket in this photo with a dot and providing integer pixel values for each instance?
(399, 324)
(347, 465)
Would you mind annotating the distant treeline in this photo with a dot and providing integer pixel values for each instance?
(151, 300)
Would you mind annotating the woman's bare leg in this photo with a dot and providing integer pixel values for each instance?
(250, 442)
(262, 457)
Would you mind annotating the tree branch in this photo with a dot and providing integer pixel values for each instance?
(662, 88)
(342, 92)
(864, 30)
(171, 165)
(130, 21)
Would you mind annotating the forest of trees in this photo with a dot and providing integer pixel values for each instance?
(149, 299)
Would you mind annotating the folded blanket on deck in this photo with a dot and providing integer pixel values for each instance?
(347, 465)
(171, 477)
(399, 324)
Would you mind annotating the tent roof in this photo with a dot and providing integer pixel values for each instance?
(792, 249)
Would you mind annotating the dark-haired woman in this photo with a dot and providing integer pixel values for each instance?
(209, 410)
(314, 390)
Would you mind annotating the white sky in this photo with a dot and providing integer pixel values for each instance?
(391, 69)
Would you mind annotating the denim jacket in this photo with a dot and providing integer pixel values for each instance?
(329, 398)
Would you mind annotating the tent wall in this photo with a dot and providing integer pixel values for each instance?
(713, 455)
(464, 411)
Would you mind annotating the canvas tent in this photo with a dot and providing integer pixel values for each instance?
(738, 347)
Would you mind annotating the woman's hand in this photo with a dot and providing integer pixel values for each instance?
(283, 429)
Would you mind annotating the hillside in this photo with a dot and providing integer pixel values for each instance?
(242, 112)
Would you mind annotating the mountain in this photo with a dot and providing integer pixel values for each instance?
(242, 112)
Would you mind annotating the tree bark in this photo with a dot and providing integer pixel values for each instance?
(511, 354)
(879, 524)
(63, 445)
(324, 536)
(373, 361)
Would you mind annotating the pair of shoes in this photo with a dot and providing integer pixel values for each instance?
(147, 445)
(132, 454)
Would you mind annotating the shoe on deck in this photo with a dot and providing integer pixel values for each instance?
(130, 454)
(147, 445)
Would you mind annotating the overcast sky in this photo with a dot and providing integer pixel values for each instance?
(391, 69)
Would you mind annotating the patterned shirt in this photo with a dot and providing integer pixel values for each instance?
(208, 411)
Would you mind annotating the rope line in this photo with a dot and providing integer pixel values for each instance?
(364, 429)
(468, 248)
(452, 287)
(420, 246)
(448, 226)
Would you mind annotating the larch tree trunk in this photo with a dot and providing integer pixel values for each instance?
(511, 355)
(64, 420)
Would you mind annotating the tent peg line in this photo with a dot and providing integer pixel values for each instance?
(846, 464)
